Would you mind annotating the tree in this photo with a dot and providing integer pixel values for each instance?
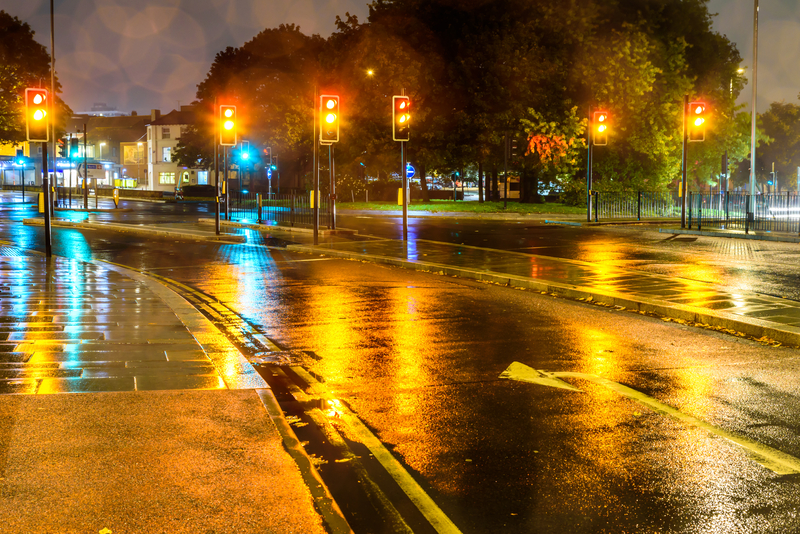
(23, 63)
(781, 122)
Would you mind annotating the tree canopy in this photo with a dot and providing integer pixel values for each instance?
(479, 70)
(23, 63)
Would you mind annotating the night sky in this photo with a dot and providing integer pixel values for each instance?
(143, 54)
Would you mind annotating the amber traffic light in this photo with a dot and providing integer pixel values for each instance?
(601, 126)
(36, 120)
(227, 126)
(328, 119)
(697, 121)
(401, 117)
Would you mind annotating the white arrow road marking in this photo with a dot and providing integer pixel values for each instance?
(772, 459)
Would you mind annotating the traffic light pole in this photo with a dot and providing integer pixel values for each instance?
(46, 198)
(589, 169)
(505, 171)
(332, 186)
(216, 175)
(683, 161)
(315, 199)
(404, 174)
(85, 171)
(225, 184)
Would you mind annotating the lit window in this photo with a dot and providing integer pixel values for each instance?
(166, 154)
(166, 178)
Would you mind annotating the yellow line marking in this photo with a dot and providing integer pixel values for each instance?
(773, 459)
(440, 522)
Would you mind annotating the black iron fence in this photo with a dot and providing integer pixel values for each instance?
(635, 205)
(291, 210)
(741, 211)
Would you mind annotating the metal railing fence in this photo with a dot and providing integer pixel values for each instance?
(289, 209)
(635, 205)
(740, 211)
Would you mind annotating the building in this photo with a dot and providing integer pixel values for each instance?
(163, 133)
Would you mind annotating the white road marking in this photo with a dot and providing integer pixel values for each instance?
(773, 459)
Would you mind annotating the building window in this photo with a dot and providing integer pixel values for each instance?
(166, 178)
(165, 132)
(166, 154)
(185, 178)
(202, 177)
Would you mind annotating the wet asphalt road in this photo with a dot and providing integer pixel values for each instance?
(418, 356)
(758, 266)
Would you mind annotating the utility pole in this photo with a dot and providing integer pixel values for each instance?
(683, 163)
(750, 212)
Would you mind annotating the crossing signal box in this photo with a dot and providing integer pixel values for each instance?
(401, 118)
(697, 122)
(600, 126)
(227, 126)
(328, 119)
(36, 120)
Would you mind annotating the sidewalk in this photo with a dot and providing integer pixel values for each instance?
(172, 429)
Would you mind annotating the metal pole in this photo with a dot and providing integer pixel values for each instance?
(85, 171)
(405, 189)
(69, 166)
(225, 184)
(505, 171)
(315, 202)
(589, 168)
(46, 198)
(683, 164)
(753, 111)
(53, 90)
(216, 170)
(333, 187)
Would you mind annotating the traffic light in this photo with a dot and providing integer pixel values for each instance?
(600, 126)
(514, 148)
(328, 119)
(62, 148)
(245, 150)
(37, 122)
(227, 125)
(274, 165)
(697, 121)
(268, 156)
(401, 117)
(74, 148)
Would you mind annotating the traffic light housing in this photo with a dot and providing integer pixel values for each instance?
(401, 117)
(227, 126)
(697, 121)
(36, 119)
(600, 126)
(74, 148)
(62, 148)
(328, 119)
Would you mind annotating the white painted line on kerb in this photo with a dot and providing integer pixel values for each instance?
(773, 459)
(359, 431)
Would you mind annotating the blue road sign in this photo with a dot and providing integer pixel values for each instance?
(410, 171)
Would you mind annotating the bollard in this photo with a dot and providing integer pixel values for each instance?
(41, 202)
(258, 204)
(116, 197)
